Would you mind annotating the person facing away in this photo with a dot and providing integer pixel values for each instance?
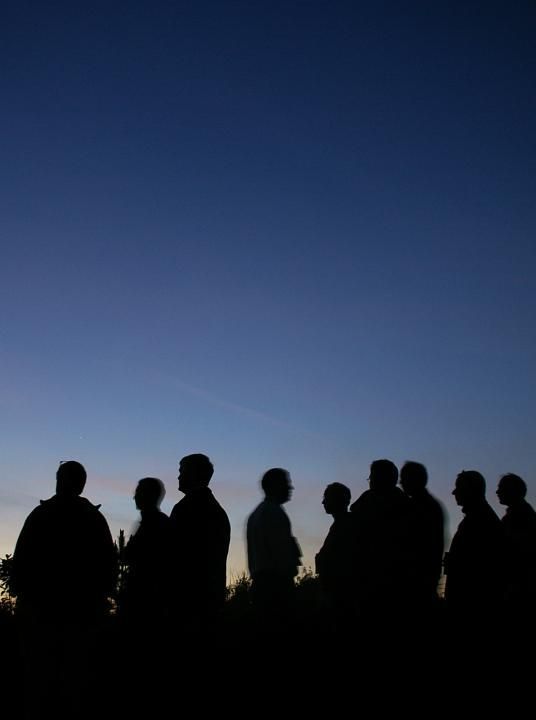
(474, 565)
(335, 560)
(519, 523)
(201, 534)
(428, 521)
(65, 564)
(382, 519)
(147, 555)
(273, 552)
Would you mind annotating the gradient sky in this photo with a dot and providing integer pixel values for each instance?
(296, 234)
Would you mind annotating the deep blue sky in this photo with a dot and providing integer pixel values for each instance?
(297, 234)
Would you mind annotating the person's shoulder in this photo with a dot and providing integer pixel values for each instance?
(278, 514)
(44, 511)
(463, 526)
(86, 517)
(213, 500)
(527, 510)
(363, 500)
(159, 523)
(271, 507)
(177, 509)
(85, 507)
(215, 508)
(345, 522)
(520, 518)
(491, 515)
(257, 512)
(481, 522)
(399, 496)
(35, 519)
(432, 500)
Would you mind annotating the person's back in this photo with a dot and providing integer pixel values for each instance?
(201, 534)
(64, 562)
(427, 531)
(382, 520)
(64, 570)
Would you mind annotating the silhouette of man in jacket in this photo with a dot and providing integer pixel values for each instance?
(428, 520)
(475, 563)
(335, 559)
(64, 570)
(64, 562)
(273, 553)
(519, 523)
(201, 534)
(147, 556)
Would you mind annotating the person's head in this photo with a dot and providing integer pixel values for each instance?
(195, 472)
(383, 476)
(70, 478)
(511, 489)
(276, 485)
(413, 477)
(149, 493)
(469, 488)
(336, 498)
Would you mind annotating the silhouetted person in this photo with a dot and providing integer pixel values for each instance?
(145, 602)
(64, 569)
(427, 534)
(382, 516)
(200, 534)
(64, 563)
(474, 564)
(519, 524)
(273, 553)
(335, 559)
(147, 555)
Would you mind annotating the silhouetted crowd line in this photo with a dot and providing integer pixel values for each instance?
(379, 568)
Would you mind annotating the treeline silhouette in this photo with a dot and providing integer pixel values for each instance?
(83, 617)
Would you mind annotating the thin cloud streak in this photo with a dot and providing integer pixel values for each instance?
(235, 407)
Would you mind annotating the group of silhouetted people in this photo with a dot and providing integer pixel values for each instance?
(379, 566)
(65, 563)
(383, 558)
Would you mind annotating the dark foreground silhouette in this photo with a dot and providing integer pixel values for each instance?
(153, 632)
(380, 667)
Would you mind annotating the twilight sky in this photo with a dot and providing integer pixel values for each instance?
(283, 233)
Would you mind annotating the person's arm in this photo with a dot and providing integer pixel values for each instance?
(23, 556)
(282, 547)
